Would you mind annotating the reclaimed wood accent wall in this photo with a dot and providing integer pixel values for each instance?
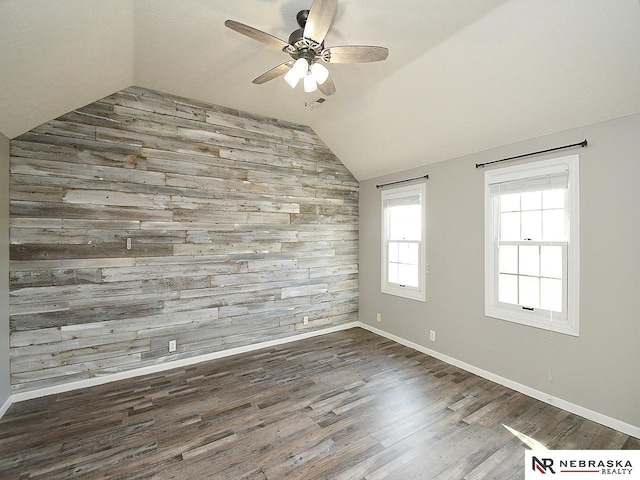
(144, 218)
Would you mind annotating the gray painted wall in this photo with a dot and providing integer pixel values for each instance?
(598, 370)
(240, 226)
(5, 384)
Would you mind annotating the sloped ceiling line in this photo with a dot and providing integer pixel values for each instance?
(462, 76)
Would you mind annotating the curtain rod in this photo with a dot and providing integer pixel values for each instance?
(402, 181)
(580, 144)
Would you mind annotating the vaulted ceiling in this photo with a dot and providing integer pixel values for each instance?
(462, 75)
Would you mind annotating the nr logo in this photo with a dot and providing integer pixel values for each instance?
(542, 465)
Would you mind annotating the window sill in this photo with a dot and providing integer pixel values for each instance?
(404, 293)
(559, 325)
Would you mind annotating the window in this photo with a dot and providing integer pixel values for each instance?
(403, 232)
(532, 244)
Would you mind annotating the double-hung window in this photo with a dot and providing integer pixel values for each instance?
(403, 246)
(532, 244)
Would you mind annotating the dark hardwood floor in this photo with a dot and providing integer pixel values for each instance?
(347, 405)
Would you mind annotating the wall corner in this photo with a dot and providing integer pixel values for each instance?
(5, 373)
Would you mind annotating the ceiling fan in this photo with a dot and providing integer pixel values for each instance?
(306, 48)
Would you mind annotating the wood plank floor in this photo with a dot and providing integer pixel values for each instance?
(347, 405)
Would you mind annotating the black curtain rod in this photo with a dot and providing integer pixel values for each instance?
(402, 181)
(580, 144)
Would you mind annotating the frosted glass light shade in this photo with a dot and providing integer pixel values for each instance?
(310, 84)
(297, 72)
(301, 67)
(319, 72)
(292, 78)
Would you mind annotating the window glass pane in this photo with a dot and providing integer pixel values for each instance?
(404, 222)
(408, 253)
(531, 201)
(508, 289)
(510, 203)
(553, 198)
(393, 252)
(553, 225)
(392, 272)
(551, 294)
(529, 260)
(510, 226)
(408, 275)
(529, 292)
(532, 225)
(551, 262)
(508, 259)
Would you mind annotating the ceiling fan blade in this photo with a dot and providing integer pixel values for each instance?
(328, 87)
(275, 72)
(256, 34)
(320, 18)
(355, 54)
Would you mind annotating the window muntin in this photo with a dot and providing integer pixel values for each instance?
(531, 244)
(403, 241)
(403, 263)
(532, 276)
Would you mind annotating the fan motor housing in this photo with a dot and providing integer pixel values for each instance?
(296, 36)
(303, 47)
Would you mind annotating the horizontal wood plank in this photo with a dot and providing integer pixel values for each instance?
(146, 217)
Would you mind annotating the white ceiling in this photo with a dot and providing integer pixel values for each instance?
(462, 75)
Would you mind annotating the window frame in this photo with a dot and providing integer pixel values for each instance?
(568, 321)
(409, 292)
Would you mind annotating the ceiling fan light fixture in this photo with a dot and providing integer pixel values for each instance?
(310, 84)
(319, 72)
(306, 46)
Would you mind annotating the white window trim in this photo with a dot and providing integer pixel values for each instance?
(411, 293)
(569, 323)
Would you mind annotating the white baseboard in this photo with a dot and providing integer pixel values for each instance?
(5, 406)
(92, 382)
(531, 392)
(538, 395)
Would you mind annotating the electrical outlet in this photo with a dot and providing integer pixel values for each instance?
(379, 317)
(305, 320)
(432, 335)
(173, 345)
